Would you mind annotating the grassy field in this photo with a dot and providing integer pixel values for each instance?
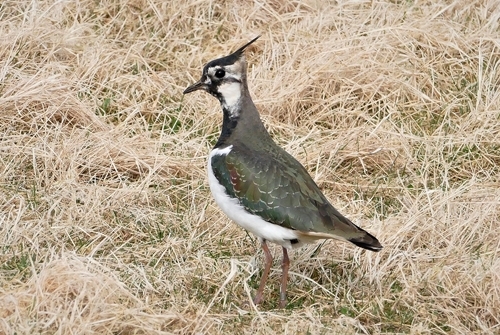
(107, 225)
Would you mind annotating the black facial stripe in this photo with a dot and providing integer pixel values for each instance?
(231, 80)
(217, 82)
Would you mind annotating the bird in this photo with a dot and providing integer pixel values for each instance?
(260, 186)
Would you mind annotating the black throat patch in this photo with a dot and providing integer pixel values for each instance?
(229, 123)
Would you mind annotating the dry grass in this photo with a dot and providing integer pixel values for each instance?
(106, 222)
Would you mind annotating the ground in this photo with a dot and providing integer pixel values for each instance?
(107, 225)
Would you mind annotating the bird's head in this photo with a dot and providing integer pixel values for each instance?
(224, 78)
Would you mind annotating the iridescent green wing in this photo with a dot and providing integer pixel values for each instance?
(277, 188)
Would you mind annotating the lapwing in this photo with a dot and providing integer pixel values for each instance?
(259, 185)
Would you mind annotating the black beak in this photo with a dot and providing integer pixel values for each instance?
(195, 87)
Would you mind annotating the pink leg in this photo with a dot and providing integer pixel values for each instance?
(284, 278)
(269, 261)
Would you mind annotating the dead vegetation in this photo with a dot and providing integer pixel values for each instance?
(106, 221)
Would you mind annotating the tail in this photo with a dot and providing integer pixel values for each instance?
(338, 226)
(367, 241)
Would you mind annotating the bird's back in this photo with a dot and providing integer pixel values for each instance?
(272, 184)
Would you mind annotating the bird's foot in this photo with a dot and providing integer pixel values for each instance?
(257, 299)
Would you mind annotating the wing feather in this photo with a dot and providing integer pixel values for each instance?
(280, 191)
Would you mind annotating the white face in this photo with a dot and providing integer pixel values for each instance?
(228, 84)
(231, 93)
(232, 72)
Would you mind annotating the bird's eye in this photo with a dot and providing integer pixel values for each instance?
(220, 73)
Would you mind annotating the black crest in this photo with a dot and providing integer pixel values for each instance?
(232, 58)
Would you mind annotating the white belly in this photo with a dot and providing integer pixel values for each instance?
(236, 212)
